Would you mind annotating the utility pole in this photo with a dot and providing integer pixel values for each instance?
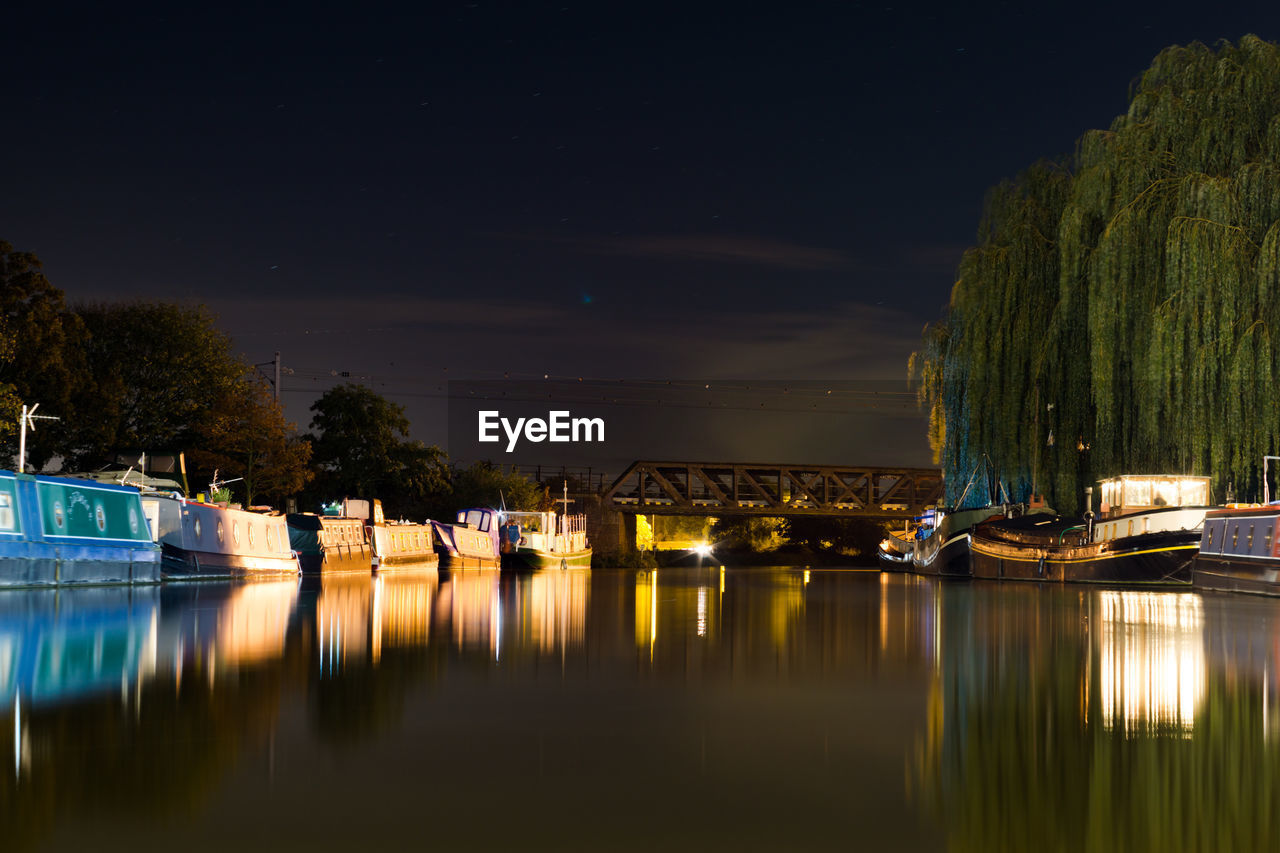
(275, 386)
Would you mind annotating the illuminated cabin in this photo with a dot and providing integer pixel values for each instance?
(1141, 492)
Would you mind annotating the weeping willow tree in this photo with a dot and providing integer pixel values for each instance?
(1117, 313)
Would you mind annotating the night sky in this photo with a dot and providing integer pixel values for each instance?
(416, 193)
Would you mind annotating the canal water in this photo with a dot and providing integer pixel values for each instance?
(682, 709)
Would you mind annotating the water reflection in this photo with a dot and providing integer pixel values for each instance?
(1150, 653)
(1101, 719)
(62, 645)
(1028, 717)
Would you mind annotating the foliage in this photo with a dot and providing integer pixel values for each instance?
(40, 358)
(1126, 306)
(246, 435)
(486, 484)
(157, 371)
(361, 449)
(750, 532)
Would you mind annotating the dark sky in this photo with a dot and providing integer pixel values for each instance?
(426, 191)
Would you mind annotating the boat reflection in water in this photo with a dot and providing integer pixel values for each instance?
(59, 646)
(227, 625)
(1101, 719)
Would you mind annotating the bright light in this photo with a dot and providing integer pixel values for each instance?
(702, 549)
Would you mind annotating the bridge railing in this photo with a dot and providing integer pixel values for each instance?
(731, 488)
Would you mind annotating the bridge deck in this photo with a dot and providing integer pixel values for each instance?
(733, 488)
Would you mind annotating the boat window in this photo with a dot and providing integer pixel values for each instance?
(1266, 540)
(1195, 493)
(474, 517)
(1137, 493)
(196, 526)
(222, 535)
(1235, 535)
(251, 534)
(1209, 530)
(235, 532)
(1130, 533)
(271, 539)
(6, 512)
(1249, 544)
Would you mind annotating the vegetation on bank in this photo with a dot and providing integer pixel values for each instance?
(157, 377)
(1117, 314)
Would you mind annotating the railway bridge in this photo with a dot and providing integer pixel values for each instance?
(746, 488)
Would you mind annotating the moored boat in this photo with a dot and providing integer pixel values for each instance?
(469, 543)
(544, 540)
(1240, 550)
(332, 541)
(942, 544)
(894, 554)
(200, 540)
(60, 530)
(1148, 533)
(401, 543)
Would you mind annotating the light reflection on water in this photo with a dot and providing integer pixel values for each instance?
(762, 708)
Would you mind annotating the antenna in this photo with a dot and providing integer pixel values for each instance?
(28, 418)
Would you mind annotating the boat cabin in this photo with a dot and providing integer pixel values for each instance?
(1129, 493)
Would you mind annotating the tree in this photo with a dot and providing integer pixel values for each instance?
(246, 435)
(486, 484)
(158, 371)
(40, 356)
(361, 448)
(1126, 305)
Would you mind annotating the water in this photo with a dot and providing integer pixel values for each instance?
(753, 709)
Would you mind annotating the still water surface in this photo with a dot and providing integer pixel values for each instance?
(751, 709)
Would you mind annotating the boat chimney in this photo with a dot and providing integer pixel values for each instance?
(1088, 512)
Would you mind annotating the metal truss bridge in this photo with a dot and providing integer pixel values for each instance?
(741, 488)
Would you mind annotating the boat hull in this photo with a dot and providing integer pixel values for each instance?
(1156, 560)
(950, 559)
(1227, 575)
(183, 564)
(531, 560)
(1240, 551)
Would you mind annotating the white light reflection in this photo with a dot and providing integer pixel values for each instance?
(1151, 659)
(702, 611)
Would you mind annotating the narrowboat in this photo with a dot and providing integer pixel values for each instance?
(1147, 533)
(200, 540)
(329, 542)
(543, 540)
(62, 530)
(469, 543)
(401, 543)
(1240, 550)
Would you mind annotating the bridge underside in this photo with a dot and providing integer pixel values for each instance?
(706, 488)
